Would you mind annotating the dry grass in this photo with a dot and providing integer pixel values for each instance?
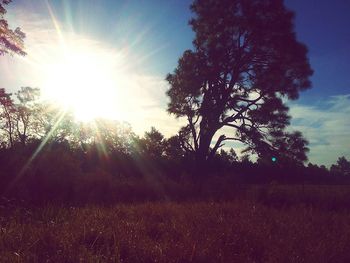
(237, 231)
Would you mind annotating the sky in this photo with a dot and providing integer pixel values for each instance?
(142, 40)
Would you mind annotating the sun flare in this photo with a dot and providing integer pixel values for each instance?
(85, 82)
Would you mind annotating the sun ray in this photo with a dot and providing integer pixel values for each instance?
(56, 25)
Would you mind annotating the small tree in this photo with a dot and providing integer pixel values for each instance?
(246, 59)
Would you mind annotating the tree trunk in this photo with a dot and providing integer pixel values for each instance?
(203, 152)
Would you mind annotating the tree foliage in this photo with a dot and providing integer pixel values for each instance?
(26, 112)
(153, 144)
(342, 167)
(245, 60)
(7, 118)
(11, 41)
(18, 119)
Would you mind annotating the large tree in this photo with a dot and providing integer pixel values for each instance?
(245, 61)
(11, 41)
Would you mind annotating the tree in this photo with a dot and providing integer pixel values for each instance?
(286, 149)
(53, 124)
(114, 136)
(174, 149)
(11, 41)
(342, 167)
(227, 158)
(7, 116)
(153, 144)
(245, 60)
(26, 113)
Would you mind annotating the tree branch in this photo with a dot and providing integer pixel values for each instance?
(217, 145)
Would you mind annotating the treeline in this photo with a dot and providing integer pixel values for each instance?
(47, 156)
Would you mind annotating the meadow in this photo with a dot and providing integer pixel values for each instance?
(260, 225)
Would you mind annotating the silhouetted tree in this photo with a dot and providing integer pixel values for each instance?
(102, 137)
(228, 157)
(54, 124)
(246, 59)
(286, 149)
(316, 171)
(11, 41)
(114, 136)
(26, 112)
(153, 144)
(223, 160)
(7, 118)
(174, 149)
(342, 167)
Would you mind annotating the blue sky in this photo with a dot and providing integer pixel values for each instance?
(157, 32)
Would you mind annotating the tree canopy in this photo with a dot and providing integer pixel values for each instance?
(245, 61)
(11, 41)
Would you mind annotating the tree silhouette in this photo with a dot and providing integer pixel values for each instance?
(286, 149)
(54, 123)
(174, 150)
(246, 59)
(342, 167)
(11, 41)
(7, 117)
(153, 144)
(26, 112)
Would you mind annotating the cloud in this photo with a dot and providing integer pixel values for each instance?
(326, 126)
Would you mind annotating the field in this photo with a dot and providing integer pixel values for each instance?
(240, 230)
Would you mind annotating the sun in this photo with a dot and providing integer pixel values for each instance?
(86, 82)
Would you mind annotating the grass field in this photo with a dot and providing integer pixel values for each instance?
(235, 231)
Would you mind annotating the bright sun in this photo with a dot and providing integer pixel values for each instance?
(85, 82)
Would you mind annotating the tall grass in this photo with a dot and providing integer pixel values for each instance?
(236, 231)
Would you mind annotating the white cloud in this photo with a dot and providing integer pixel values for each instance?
(327, 128)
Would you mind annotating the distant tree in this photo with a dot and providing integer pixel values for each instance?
(315, 170)
(53, 123)
(246, 59)
(11, 41)
(7, 117)
(228, 157)
(342, 167)
(26, 113)
(108, 136)
(153, 144)
(114, 136)
(174, 149)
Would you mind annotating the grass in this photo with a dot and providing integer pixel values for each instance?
(234, 231)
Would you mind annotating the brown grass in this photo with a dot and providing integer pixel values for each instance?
(237, 231)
